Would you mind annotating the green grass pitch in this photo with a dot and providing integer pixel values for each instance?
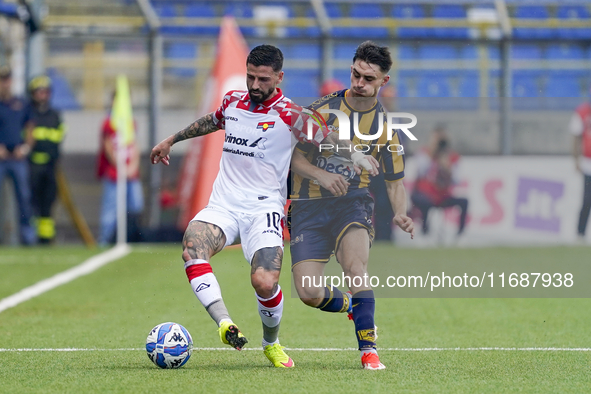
(111, 311)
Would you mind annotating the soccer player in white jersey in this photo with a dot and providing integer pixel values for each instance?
(262, 127)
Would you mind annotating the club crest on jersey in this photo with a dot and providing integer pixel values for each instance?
(265, 125)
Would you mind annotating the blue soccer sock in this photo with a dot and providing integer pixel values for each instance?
(334, 301)
(363, 316)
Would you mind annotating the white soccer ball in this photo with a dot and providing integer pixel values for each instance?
(169, 345)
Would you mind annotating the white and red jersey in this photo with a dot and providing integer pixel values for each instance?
(257, 150)
(580, 125)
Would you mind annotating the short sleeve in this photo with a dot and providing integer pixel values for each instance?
(298, 123)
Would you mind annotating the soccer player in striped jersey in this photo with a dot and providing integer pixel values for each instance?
(246, 204)
(322, 224)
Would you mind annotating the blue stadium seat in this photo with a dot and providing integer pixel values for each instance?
(453, 11)
(345, 51)
(182, 51)
(532, 12)
(334, 11)
(526, 87)
(432, 86)
(302, 51)
(573, 12)
(241, 10)
(564, 92)
(63, 97)
(437, 51)
(343, 76)
(165, 10)
(299, 83)
(200, 10)
(407, 52)
(565, 86)
(468, 85)
(367, 10)
(565, 51)
(469, 52)
(409, 11)
(312, 31)
(526, 51)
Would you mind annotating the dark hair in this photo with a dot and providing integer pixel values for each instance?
(370, 52)
(266, 55)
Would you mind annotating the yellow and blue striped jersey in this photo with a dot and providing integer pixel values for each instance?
(387, 153)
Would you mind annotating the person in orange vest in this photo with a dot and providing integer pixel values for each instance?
(580, 128)
(436, 165)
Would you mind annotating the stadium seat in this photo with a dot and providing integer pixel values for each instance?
(302, 51)
(301, 83)
(334, 12)
(367, 10)
(312, 31)
(532, 12)
(343, 76)
(526, 51)
(469, 52)
(181, 51)
(563, 92)
(241, 10)
(407, 52)
(345, 51)
(526, 87)
(573, 12)
(437, 51)
(449, 11)
(409, 11)
(200, 10)
(565, 51)
(432, 86)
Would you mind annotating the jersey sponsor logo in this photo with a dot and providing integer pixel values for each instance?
(236, 140)
(336, 165)
(242, 153)
(265, 125)
(260, 143)
(231, 118)
(298, 239)
(202, 286)
(272, 232)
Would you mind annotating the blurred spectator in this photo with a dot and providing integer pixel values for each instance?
(107, 172)
(16, 129)
(580, 127)
(436, 167)
(48, 134)
(330, 86)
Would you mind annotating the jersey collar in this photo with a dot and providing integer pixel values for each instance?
(269, 102)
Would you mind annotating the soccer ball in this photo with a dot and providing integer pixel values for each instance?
(169, 345)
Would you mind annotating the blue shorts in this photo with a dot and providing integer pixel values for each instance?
(317, 226)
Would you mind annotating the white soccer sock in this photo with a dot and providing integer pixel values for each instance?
(270, 310)
(207, 289)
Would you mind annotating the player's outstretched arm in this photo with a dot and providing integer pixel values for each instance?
(202, 126)
(397, 196)
(345, 149)
(334, 183)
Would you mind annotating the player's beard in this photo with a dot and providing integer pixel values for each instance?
(261, 97)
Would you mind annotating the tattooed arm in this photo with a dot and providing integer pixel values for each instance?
(201, 126)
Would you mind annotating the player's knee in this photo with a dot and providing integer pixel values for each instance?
(313, 302)
(264, 284)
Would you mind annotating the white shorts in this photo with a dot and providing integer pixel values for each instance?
(253, 231)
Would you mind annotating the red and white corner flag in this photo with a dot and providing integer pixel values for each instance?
(202, 161)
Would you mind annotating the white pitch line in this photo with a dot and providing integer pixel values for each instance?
(85, 268)
(424, 349)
